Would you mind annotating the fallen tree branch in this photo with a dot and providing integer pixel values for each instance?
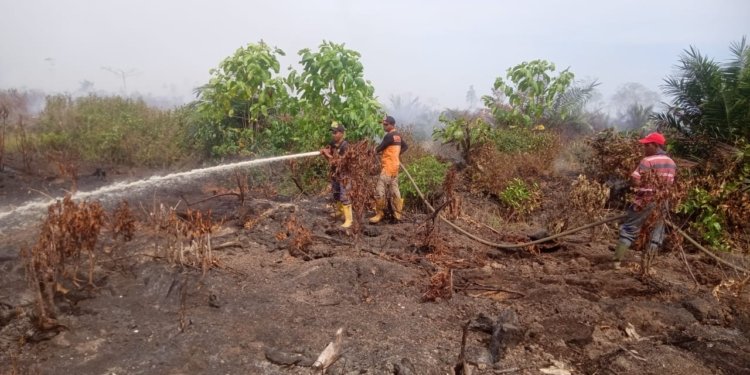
(227, 244)
(299, 186)
(211, 197)
(489, 289)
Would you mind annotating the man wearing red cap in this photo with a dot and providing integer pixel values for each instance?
(662, 170)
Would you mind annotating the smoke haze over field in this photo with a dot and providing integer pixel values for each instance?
(434, 50)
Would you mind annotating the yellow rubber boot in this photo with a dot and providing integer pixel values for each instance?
(399, 208)
(347, 209)
(379, 211)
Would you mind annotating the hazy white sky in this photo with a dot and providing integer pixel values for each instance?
(432, 49)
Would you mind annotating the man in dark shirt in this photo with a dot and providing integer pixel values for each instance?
(335, 149)
(392, 146)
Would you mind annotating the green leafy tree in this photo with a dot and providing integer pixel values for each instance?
(531, 91)
(708, 98)
(248, 107)
(240, 99)
(330, 88)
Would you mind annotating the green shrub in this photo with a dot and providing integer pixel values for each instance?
(520, 197)
(709, 220)
(513, 140)
(114, 130)
(428, 173)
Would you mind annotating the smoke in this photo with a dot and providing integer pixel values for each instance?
(411, 114)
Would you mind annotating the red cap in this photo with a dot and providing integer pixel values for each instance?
(654, 138)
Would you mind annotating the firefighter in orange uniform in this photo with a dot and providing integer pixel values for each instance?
(391, 148)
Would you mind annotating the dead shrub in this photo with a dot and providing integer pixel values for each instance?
(298, 236)
(493, 170)
(449, 194)
(188, 236)
(122, 222)
(586, 202)
(69, 230)
(355, 168)
(614, 156)
(26, 145)
(67, 166)
(441, 286)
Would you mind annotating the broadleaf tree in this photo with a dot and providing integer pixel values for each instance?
(241, 99)
(332, 87)
(531, 90)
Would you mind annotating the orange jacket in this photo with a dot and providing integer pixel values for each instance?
(392, 147)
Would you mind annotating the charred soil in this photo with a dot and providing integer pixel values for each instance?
(284, 278)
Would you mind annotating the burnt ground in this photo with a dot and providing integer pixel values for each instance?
(268, 308)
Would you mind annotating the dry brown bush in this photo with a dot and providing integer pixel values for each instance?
(188, 236)
(357, 167)
(122, 222)
(441, 286)
(613, 156)
(67, 166)
(492, 170)
(69, 230)
(298, 235)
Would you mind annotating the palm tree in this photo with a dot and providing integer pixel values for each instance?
(636, 116)
(568, 108)
(708, 98)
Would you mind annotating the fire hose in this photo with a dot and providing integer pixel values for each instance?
(565, 233)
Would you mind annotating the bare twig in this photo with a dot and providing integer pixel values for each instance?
(633, 354)
(506, 371)
(299, 186)
(684, 258)
(211, 197)
(489, 288)
(227, 244)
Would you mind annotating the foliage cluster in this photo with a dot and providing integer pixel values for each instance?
(112, 130)
(717, 202)
(531, 95)
(521, 197)
(465, 131)
(428, 172)
(247, 107)
(517, 140)
(710, 98)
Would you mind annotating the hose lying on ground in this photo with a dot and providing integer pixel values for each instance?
(704, 250)
(567, 232)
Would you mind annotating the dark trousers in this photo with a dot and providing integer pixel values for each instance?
(631, 227)
(340, 191)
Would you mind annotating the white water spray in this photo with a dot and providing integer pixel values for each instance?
(132, 187)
